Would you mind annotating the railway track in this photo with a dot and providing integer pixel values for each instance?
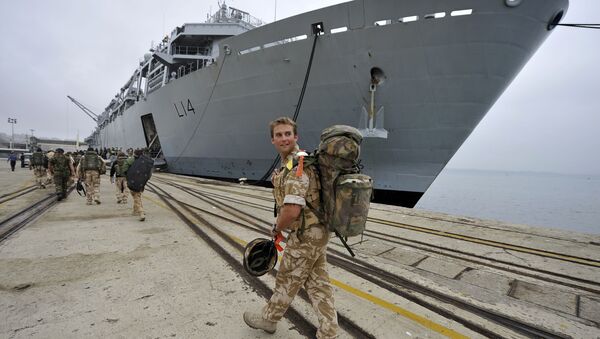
(16, 221)
(13, 195)
(300, 322)
(393, 283)
(25, 216)
(541, 274)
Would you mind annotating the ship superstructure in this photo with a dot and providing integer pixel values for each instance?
(416, 76)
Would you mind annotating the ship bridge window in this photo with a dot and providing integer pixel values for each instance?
(409, 18)
(461, 12)
(339, 30)
(382, 22)
(435, 15)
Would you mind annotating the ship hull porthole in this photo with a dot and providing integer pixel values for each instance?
(555, 20)
(377, 76)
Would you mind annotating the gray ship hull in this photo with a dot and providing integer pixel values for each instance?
(442, 75)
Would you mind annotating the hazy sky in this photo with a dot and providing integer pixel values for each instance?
(547, 120)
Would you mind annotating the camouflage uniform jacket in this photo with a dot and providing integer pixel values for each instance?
(60, 165)
(292, 187)
(128, 162)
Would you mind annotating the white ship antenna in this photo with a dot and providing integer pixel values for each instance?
(275, 15)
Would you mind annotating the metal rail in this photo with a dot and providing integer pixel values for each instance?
(22, 218)
(389, 281)
(301, 323)
(10, 196)
(15, 222)
(482, 241)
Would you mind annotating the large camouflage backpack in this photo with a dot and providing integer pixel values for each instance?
(91, 161)
(345, 192)
(37, 159)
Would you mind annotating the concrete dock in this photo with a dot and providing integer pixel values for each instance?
(97, 271)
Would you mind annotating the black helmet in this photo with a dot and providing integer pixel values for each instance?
(80, 188)
(260, 256)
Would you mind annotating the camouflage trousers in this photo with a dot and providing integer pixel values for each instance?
(122, 191)
(304, 264)
(138, 209)
(92, 185)
(61, 182)
(39, 172)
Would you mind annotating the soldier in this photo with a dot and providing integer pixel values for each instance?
(72, 162)
(118, 170)
(39, 164)
(304, 262)
(49, 155)
(89, 169)
(138, 208)
(76, 158)
(61, 169)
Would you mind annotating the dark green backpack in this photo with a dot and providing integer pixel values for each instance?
(60, 164)
(37, 159)
(91, 162)
(120, 166)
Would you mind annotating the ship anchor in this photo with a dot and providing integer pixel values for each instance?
(371, 122)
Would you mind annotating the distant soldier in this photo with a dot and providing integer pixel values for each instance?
(49, 156)
(138, 170)
(89, 169)
(76, 158)
(61, 169)
(118, 170)
(69, 156)
(39, 164)
(12, 158)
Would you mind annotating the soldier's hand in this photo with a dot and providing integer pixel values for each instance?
(274, 231)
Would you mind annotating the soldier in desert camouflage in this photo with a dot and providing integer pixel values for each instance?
(304, 262)
(89, 169)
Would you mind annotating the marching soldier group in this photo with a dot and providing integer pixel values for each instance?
(87, 167)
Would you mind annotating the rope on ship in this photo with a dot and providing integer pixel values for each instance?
(592, 26)
(317, 29)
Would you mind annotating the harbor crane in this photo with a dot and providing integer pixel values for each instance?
(85, 110)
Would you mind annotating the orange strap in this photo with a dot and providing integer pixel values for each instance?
(300, 167)
(278, 239)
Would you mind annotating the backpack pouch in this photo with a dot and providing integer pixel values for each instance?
(352, 199)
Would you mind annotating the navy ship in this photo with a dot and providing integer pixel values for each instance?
(415, 76)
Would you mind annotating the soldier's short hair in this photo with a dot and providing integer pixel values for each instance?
(283, 121)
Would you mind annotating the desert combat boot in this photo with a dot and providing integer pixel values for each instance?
(255, 320)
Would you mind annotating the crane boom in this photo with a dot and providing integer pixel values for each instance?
(85, 110)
